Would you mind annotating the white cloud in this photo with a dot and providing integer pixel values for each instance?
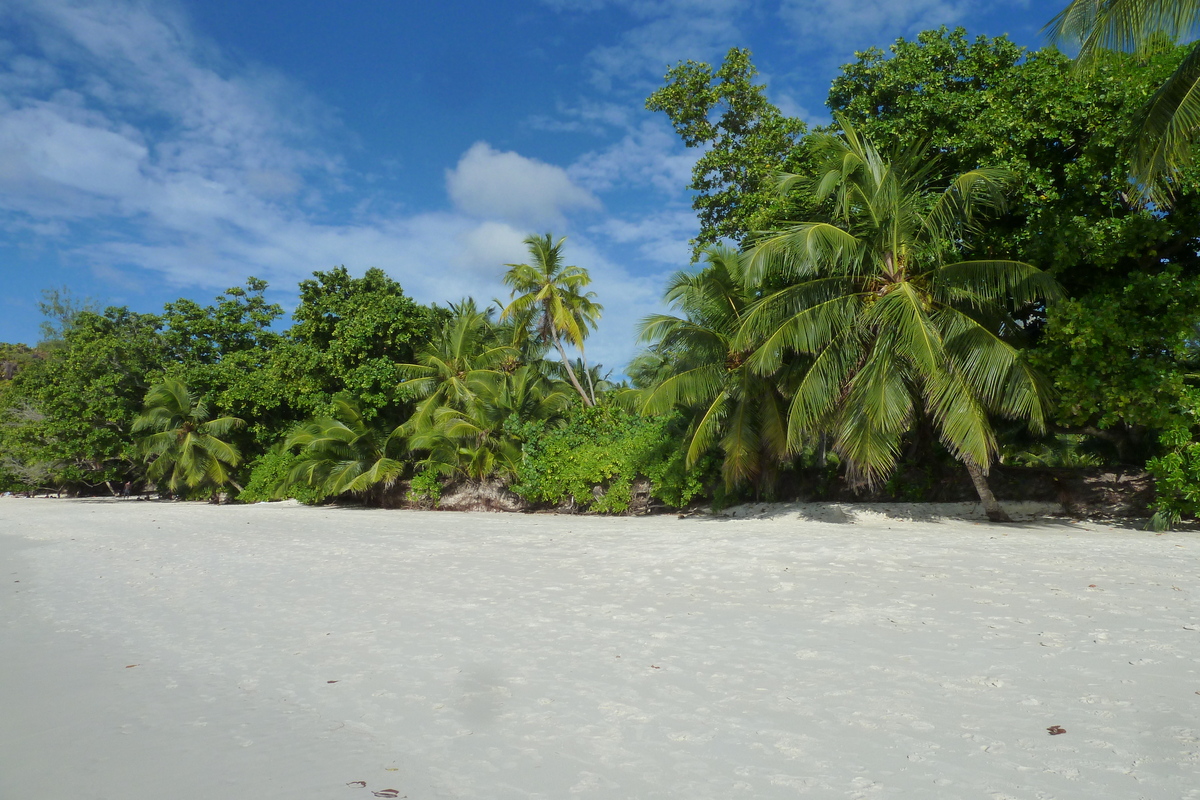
(133, 149)
(489, 183)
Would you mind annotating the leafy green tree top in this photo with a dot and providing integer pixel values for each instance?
(746, 139)
(350, 335)
(72, 411)
(1061, 134)
(240, 320)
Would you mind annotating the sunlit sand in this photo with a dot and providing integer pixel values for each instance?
(154, 650)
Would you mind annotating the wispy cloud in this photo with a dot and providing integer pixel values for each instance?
(133, 148)
(839, 28)
(869, 20)
(660, 33)
(648, 155)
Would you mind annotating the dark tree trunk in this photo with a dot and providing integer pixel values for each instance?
(990, 505)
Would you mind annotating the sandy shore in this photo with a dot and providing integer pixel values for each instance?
(153, 650)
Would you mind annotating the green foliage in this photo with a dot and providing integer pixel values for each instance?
(1165, 137)
(226, 352)
(896, 327)
(746, 141)
(1065, 450)
(269, 479)
(183, 444)
(1120, 358)
(1060, 134)
(472, 383)
(426, 486)
(344, 452)
(1176, 475)
(693, 366)
(1116, 350)
(351, 334)
(66, 419)
(597, 455)
(196, 335)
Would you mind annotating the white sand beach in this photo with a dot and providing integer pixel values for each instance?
(159, 650)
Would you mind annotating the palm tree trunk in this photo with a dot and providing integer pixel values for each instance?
(990, 505)
(587, 373)
(587, 401)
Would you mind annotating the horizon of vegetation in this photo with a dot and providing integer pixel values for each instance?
(990, 257)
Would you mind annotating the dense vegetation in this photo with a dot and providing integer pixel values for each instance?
(959, 271)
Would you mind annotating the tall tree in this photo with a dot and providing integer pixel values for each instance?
(896, 326)
(350, 334)
(1170, 121)
(745, 141)
(184, 445)
(67, 417)
(985, 101)
(551, 294)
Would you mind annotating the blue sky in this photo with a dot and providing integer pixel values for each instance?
(151, 150)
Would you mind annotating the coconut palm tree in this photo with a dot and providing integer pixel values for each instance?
(471, 381)
(185, 447)
(448, 368)
(701, 372)
(894, 323)
(551, 295)
(342, 452)
(473, 440)
(1171, 119)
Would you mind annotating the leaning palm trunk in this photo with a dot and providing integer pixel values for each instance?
(571, 376)
(991, 505)
(587, 373)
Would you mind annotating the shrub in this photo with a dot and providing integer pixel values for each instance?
(1176, 478)
(426, 486)
(607, 448)
(269, 480)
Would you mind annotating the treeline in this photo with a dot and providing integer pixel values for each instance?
(957, 273)
(368, 395)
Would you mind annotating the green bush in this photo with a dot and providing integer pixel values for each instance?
(426, 486)
(1176, 476)
(608, 448)
(269, 480)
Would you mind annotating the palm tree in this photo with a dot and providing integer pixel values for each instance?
(473, 441)
(343, 453)
(471, 380)
(1171, 119)
(895, 325)
(184, 445)
(700, 371)
(445, 374)
(550, 294)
